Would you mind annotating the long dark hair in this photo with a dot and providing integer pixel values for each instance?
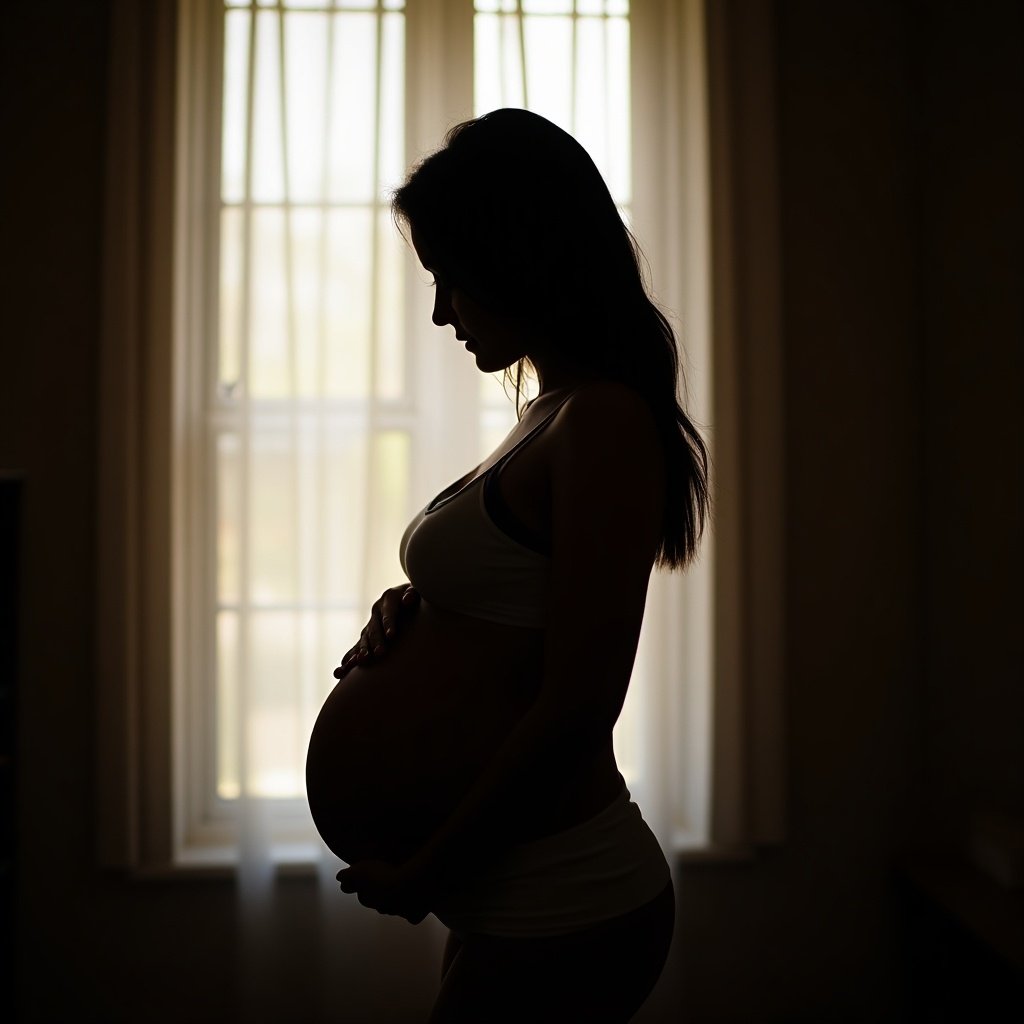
(516, 214)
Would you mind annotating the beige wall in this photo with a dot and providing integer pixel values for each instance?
(901, 222)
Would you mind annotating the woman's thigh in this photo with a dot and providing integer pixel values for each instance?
(599, 976)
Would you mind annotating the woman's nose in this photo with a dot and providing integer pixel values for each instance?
(442, 307)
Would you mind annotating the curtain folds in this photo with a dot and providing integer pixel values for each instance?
(675, 670)
(748, 803)
(133, 599)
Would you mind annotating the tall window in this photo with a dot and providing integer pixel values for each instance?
(324, 407)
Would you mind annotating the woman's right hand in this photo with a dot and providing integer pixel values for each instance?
(386, 617)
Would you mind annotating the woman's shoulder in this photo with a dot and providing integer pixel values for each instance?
(609, 407)
(611, 418)
(608, 394)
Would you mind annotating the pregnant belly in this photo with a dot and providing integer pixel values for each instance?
(400, 741)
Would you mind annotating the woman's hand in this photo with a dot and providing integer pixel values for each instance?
(386, 617)
(397, 890)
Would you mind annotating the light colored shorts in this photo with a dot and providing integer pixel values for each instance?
(597, 870)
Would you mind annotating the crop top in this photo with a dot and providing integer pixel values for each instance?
(458, 557)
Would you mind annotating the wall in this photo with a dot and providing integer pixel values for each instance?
(901, 223)
(973, 225)
(901, 177)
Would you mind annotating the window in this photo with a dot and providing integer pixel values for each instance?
(289, 407)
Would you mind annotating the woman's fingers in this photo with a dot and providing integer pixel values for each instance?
(382, 627)
(347, 662)
(387, 613)
(393, 602)
(373, 635)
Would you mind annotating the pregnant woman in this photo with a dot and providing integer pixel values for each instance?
(463, 764)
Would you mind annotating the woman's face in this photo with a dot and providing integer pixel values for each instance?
(493, 341)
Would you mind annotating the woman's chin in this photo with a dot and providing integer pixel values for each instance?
(488, 363)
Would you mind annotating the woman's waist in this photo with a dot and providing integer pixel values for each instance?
(556, 799)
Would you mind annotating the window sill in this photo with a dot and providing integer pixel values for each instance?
(717, 857)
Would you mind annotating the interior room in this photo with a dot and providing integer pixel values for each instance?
(880, 249)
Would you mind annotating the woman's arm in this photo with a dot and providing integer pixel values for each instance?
(607, 488)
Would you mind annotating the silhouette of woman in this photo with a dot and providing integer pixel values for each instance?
(463, 765)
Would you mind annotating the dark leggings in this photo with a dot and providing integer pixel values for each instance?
(601, 975)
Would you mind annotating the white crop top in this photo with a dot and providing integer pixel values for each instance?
(458, 558)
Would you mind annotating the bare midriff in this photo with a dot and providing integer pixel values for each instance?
(401, 740)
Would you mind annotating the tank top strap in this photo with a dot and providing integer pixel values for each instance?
(493, 470)
(453, 491)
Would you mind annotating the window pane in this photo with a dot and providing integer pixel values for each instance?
(231, 297)
(272, 517)
(390, 347)
(389, 482)
(227, 712)
(549, 57)
(276, 750)
(267, 369)
(306, 54)
(343, 503)
(497, 67)
(347, 305)
(229, 524)
(267, 148)
(311, 285)
(392, 103)
(353, 109)
(236, 74)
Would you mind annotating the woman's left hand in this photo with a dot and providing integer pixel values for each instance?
(396, 889)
